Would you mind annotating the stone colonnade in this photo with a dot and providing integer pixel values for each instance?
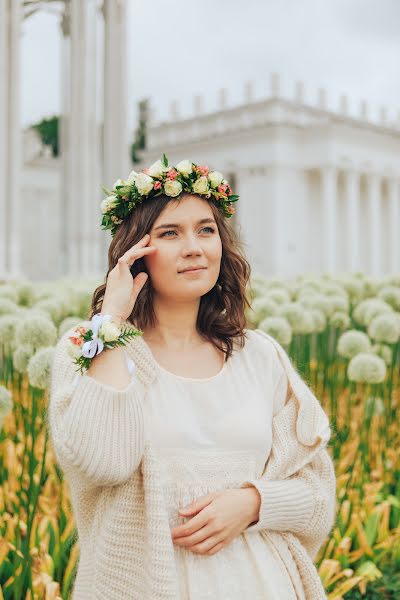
(10, 137)
(94, 136)
(323, 220)
(360, 220)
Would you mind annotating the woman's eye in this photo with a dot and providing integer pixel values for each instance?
(173, 231)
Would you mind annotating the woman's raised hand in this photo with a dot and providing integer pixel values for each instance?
(122, 289)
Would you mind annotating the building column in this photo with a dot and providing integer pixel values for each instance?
(394, 220)
(329, 217)
(352, 187)
(374, 220)
(10, 139)
(116, 161)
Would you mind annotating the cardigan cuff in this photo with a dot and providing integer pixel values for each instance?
(286, 505)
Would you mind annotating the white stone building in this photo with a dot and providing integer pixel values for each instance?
(319, 188)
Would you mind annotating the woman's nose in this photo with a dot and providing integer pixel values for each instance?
(191, 244)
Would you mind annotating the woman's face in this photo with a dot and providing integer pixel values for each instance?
(182, 241)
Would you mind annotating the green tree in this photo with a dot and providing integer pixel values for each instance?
(48, 132)
(139, 142)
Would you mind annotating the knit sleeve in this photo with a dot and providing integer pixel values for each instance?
(96, 429)
(304, 502)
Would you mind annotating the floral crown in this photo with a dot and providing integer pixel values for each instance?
(159, 179)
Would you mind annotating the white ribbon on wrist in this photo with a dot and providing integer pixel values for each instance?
(95, 345)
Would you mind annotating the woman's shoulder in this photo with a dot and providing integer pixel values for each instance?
(257, 341)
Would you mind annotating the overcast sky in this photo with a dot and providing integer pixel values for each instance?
(180, 48)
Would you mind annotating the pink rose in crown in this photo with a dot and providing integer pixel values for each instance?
(222, 189)
(145, 171)
(231, 210)
(203, 170)
(157, 185)
(172, 174)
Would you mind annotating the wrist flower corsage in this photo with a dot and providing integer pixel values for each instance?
(86, 342)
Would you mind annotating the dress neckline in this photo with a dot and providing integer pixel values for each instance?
(181, 377)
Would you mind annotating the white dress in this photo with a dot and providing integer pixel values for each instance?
(213, 434)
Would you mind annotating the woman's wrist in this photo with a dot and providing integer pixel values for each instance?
(117, 319)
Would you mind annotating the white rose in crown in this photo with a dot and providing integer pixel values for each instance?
(215, 178)
(109, 332)
(172, 188)
(144, 184)
(185, 167)
(108, 204)
(200, 186)
(132, 177)
(157, 169)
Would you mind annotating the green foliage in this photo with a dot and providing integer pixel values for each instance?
(48, 132)
(140, 131)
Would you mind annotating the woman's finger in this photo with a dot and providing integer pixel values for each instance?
(134, 253)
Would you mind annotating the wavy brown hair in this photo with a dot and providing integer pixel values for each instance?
(221, 315)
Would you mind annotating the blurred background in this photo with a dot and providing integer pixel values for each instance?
(297, 103)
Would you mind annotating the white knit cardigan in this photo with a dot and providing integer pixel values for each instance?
(125, 544)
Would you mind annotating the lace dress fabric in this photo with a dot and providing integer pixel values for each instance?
(217, 435)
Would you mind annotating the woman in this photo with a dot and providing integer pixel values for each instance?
(196, 455)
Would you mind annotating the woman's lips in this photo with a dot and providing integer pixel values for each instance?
(193, 270)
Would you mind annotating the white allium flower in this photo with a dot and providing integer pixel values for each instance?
(354, 288)
(319, 319)
(323, 303)
(278, 328)
(340, 303)
(6, 403)
(21, 356)
(26, 292)
(67, 324)
(333, 288)
(391, 295)
(8, 324)
(10, 292)
(257, 285)
(379, 307)
(275, 282)
(36, 330)
(39, 368)
(384, 352)
(80, 302)
(7, 307)
(278, 295)
(371, 286)
(299, 318)
(54, 307)
(353, 342)
(385, 328)
(367, 309)
(340, 320)
(264, 307)
(391, 280)
(366, 368)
